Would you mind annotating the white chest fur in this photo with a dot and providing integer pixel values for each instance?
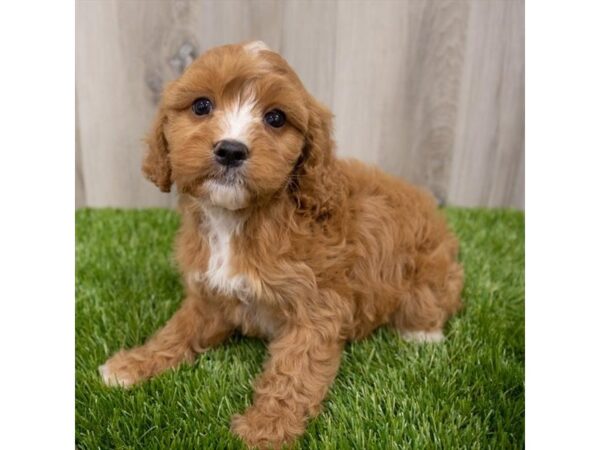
(220, 228)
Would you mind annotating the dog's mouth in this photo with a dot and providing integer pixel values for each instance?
(232, 176)
(228, 175)
(226, 188)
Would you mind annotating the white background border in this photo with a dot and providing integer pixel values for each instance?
(37, 224)
(562, 224)
(37, 136)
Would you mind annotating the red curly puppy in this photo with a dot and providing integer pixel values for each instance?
(282, 240)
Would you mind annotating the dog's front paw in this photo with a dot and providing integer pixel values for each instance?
(259, 430)
(122, 369)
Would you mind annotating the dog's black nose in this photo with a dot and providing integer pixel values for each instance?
(230, 153)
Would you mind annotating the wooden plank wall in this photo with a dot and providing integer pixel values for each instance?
(430, 90)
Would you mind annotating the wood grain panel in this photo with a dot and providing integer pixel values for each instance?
(430, 90)
(114, 107)
(79, 186)
(368, 69)
(435, 56)
(309, 45)
(488, 164)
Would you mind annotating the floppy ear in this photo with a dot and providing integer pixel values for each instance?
(156, 166)
(314, 182)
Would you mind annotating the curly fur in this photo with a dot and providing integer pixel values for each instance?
(298, 247)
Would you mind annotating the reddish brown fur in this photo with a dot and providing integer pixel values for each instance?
(329, 249)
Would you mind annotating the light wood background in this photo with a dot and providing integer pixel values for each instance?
(430, 90)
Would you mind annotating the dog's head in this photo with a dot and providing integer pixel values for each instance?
(237, 128)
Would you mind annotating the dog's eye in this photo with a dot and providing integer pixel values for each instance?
(202, 106)
(275, 118)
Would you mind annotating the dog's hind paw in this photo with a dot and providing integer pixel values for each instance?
(423, 336)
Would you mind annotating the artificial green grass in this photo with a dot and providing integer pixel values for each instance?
(467, 392)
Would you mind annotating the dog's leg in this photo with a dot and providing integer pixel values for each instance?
(427, 306)
(195, 327)
(297, 377)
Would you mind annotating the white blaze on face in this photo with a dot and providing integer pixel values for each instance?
(238, 119)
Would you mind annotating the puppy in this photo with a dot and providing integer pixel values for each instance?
(281, 240)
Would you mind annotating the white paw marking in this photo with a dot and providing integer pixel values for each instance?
(111, 379)
(423, 336)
